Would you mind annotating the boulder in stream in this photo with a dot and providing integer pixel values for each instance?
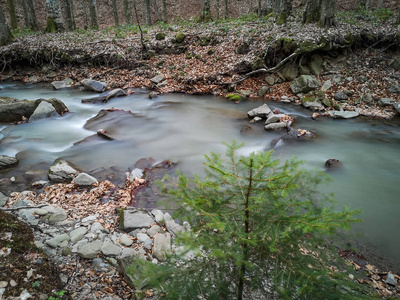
(62, 171)
(304, 84)
(104, 97)
(293, 135)
(94, 85)
(66, 83)
(14, 110)
(333, 163)
(7, 162)
(44, 110)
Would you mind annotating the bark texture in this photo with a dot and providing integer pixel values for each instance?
(164, 11)
(115, 12)
(85, 15)
(6, 36)
(147, 11)
(127, 12)
(282, 10)
(320, 11)
(226, 12)
(54, 16)
(93, 14)
(205, 11)
(69, 15)
(30, 15)
(13, 16)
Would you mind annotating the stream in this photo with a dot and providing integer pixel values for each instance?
(182, 128)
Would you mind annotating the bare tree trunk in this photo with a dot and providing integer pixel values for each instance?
(146, 4)
(398, 15)
(327, 13)
(282, 10)
(115, 12)
(205, 11)
(311, 12)
(6, 36)
(164, 11)
(93, 14)
(380, 4)
(259, 8)
(54, 16)
(30, 15)
(268, 6)
(85, 15)
(363, 4)
(226, 13)
(69, 15)
(217, 8)
(127, 12)
(156, 11)
(13, 16)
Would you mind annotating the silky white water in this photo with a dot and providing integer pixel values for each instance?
(182, 128)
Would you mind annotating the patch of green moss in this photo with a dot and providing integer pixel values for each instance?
(282, 18)
(210, 52)
(337, 106)
(180, 37)
(308, 99)
(349, 38)
(234, 97)
(257, 63)
(51, 26)
(160, 36)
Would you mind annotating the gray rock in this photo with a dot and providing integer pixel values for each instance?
(344, 114)
(90, 250)
(125, 240)
(391, 279)
(274, 118)
(339, 96)
(142, 237)
(313, 105)
(104, 97)
(263, 90)
(7, 162)
(84, 179)
(27, 214)
(77, 234)
(58, 215)
(157, 79)
(304, 84)
(93, 85)
(54, 242)
(397, 107)
(44, 110)
(276, 126)
(394, 88)
(110, 249)
(367, 98)
(326, 86)
(66, 83)
(134, 219)
(153, 230)
(138, 278)
(316, 64)
(61, 171)
(97, 228)
(338, 79)
(290, 71)
(41, 212)
(262, 111)
(136, 173)
(162, 246)
(386, 102)
(158, 215)
(174, 227)
(333, 163)
(270, 80)
(3, 199)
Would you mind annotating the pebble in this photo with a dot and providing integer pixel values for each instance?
(41, 212)
(3, 284)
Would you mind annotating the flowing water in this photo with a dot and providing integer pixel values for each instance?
(182, 128)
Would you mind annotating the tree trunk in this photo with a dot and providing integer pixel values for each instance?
(259, 8)
(147, 12)
(268, 7)
(115, 12)
(69, 15)
(327, 15)
(398, 15)
(380, 4)
(85, 15)
(6, 36)
(217, 8)
(30, 15)
(13, 16)
(282, 10)
(226, 13)
(312, 11)
(363, 4)
(205, 11)
(93, 14)
(156, 11)
(164, 11)
(54, 16)
(127, 12)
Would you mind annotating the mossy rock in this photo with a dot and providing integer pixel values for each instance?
(326, 102)
(160, 36)
(234, 97)
(205, 41)
(308, 99)
(257, 63)
(337, 107)
(180, 37)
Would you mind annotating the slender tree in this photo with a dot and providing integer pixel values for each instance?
(398, 15)
(93, 14)
(13, 15)
(205, 11)
(147, 11)
(217, 8)
(320, 11)
(85, 15)
(6, 36)
(226, 12)
(156, 10)
(127, 12)
(164, 11)
(282, 10)
(115, 12)
(54, 21)
(69, 15)
(30, 15)
(268, 6)
(259, 12)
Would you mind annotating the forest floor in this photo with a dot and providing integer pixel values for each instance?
(212, 59)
